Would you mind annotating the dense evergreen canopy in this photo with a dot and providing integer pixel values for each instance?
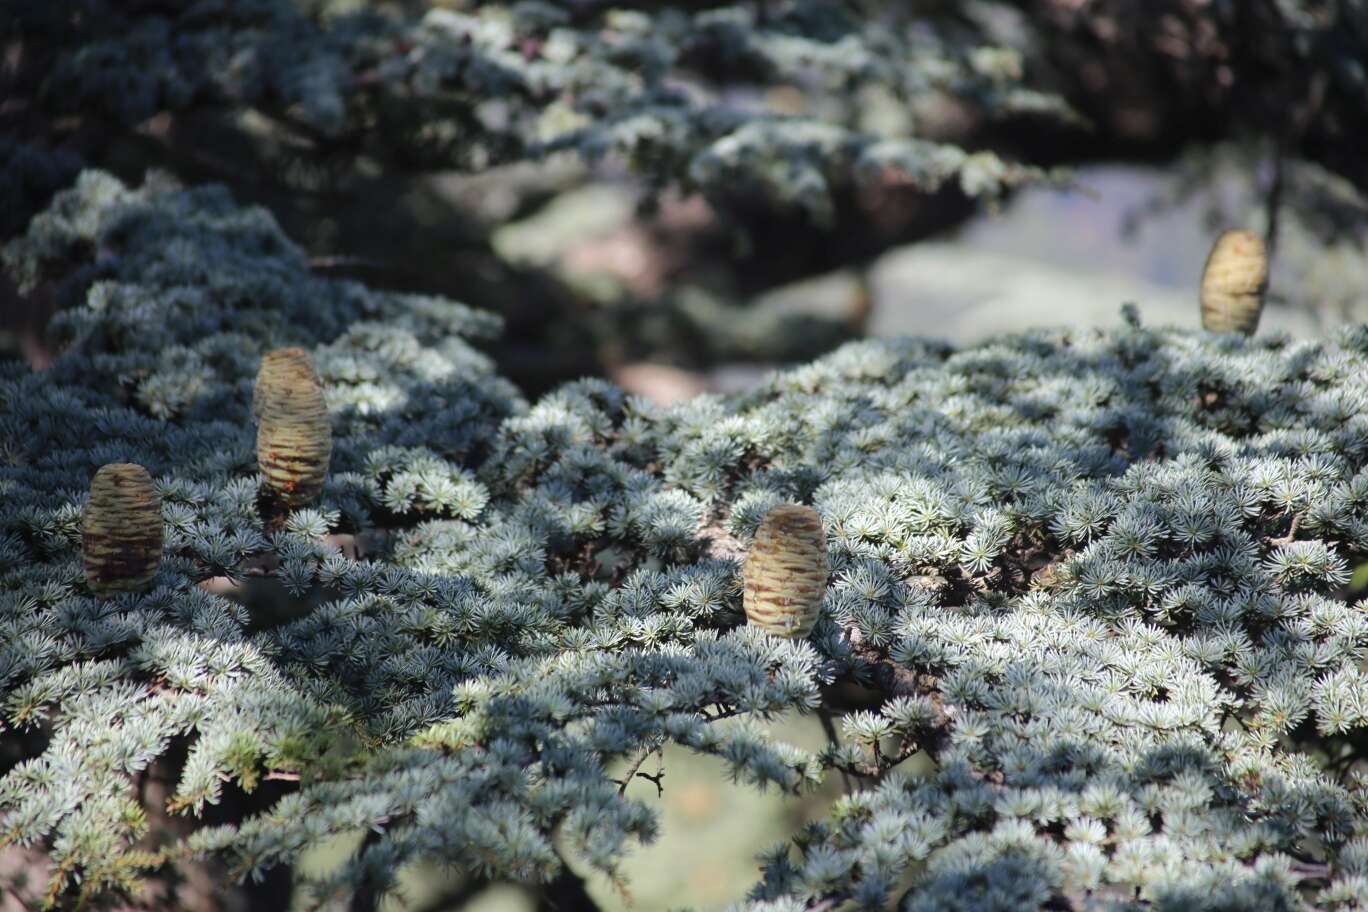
(1100, 579)
(1101, 584)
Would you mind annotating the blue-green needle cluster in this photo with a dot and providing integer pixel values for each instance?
(1101, 580)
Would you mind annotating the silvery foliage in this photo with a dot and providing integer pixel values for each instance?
(676, 91)
(463, 694)
(1098, 578)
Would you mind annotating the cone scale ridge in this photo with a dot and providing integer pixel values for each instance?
(294, 434)
(121, 530)
(786, 572)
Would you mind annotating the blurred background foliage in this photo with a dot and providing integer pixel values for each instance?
(678, 196)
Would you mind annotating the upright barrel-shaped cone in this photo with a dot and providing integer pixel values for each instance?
(121, 531)
(786, 572)
(1233, 283)
(294, 435)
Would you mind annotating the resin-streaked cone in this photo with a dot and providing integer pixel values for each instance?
(1233, 283)
(294, 437)
(786, 572)
(121, 530)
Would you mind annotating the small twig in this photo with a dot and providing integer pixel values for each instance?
(881, 765)
(632, 773)
(1291, 533)
(720, 714)
(1308, 870)
(281, 776)
(659, 777)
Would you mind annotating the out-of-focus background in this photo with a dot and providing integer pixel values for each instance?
(1046, 257)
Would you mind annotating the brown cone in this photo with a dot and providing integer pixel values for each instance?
(786, 572)
(294, 437)
(1233, 283)
(121, 530)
